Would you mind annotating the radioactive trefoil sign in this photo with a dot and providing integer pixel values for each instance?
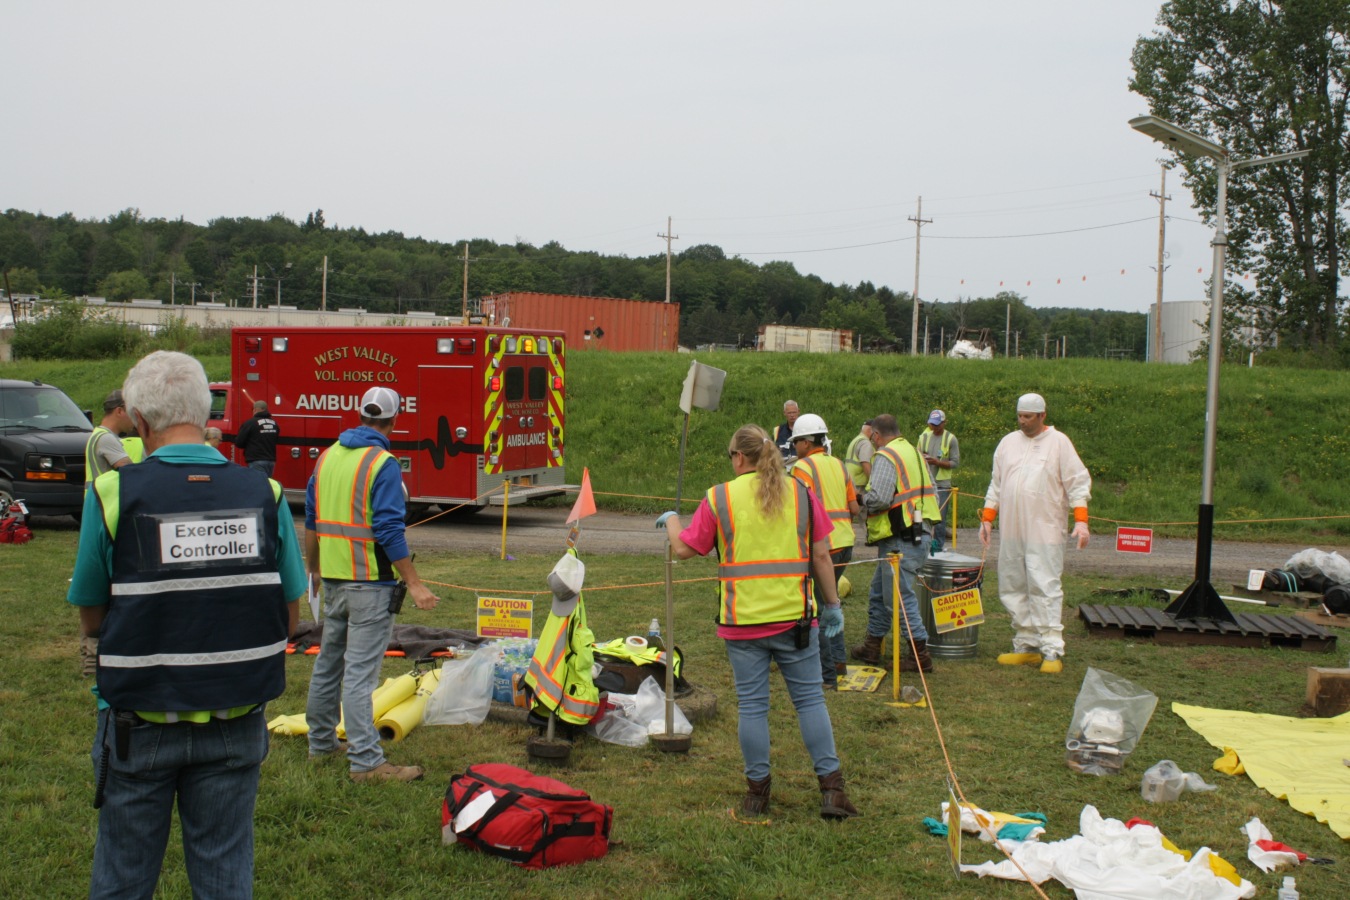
(959, 609)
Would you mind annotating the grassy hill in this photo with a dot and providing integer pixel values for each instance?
(1282, 433)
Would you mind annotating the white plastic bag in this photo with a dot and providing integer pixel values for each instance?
(464, 694)
(617, 728)
(1109, 717)
(1165, 782)
(650, 710)
(1318, 562)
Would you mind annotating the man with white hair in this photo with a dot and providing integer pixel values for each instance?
(1037, 478)
(189, 574)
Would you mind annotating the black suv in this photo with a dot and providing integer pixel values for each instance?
(42, 442)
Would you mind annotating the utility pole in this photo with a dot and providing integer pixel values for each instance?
(255, 285)
(194, 285)
(925, 334)
(1162, 235)
(173, 279)
(1045, 345)
(919, 221)
(323, 296)
(464, 312)
(668, 237)
(1007, 335)
(1017, 345)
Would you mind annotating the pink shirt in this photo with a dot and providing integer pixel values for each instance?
(701, 535)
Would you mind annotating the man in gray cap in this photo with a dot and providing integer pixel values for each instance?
(104, 451)
(1037, 478)
(943, 454)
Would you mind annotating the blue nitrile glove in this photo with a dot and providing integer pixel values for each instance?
(661, 519)
(832, 620)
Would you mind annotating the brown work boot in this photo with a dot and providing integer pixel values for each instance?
(869, 651)
(756, 802)
(339, 750)
(88, 656)
(910, 664)
(833, 802)
(389, 772)
(841, 668)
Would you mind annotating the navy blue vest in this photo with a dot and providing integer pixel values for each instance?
(197, 619)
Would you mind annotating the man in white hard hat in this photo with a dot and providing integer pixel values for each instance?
(828, 479)
(1037, 478)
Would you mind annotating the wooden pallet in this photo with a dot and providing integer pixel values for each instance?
(1251, 630)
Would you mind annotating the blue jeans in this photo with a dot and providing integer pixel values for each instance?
(264, 466)
(832, 649)
(801, 672)
(212, 772)
(943, 490)
(879, 596)
(356, 628)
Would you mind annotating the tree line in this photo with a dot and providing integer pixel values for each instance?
(723, 300)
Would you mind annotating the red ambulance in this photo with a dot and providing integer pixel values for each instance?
(480, 405)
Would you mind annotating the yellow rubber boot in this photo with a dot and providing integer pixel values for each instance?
(1019, 659)
(1052, 667)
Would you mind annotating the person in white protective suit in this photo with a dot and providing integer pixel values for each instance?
(1037, 478)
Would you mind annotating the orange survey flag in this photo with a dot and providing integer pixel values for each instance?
(585, 505)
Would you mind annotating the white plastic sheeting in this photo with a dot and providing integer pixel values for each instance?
(1108, 861)
(1318, 562)
(967, 350)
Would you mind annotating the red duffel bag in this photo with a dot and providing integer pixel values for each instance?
(532, 821)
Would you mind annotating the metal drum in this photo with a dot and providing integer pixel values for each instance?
(943, 573)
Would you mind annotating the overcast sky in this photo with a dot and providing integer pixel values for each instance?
(768, 129)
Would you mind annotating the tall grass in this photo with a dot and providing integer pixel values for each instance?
(1282, 434)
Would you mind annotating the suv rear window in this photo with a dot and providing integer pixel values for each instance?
(515, 383)
(538, 383)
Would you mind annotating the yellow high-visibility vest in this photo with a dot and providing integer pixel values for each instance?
(853, 465)
(560, 671)
(926, 441)
(914, 494)
(765, 571)
(826, 476)
(343, 480)
(135, 448)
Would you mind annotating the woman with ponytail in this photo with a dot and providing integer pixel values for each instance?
(771, 533)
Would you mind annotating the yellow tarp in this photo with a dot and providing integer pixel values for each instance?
(1298, 760)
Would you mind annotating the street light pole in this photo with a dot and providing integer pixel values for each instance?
(1200, 600)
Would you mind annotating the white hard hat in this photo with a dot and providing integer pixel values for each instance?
(808, 425)
(1032, 403)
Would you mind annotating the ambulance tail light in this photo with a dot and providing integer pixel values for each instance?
(527, 345)
(495, 384)
(252, 345)
(556, 431)
(279, 344)
(466, 345)
(510, 345)
(557, 382)
(445, 345)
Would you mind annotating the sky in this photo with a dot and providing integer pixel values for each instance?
(778, 131)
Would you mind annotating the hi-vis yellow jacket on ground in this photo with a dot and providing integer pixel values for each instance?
(560, 672)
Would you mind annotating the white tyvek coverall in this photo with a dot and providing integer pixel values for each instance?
(1036, 482)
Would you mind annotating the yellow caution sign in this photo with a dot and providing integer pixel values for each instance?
(503, 617)
(959, 609)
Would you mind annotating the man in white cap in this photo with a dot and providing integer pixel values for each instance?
(1037, 478)
(354, 540)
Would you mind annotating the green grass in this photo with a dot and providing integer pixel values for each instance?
(320, 836)
(1284, 435)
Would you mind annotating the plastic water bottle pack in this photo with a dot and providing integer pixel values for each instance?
(512, 667)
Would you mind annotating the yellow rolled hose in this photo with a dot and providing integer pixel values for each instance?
(395, 724)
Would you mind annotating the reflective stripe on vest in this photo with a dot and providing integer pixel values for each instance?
(830, 482)
(915, 502)
(765, 570)
(343, 480)
(926, 441)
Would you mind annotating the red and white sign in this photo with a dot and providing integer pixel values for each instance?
(1134, 540)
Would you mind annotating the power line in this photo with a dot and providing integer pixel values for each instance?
(949, 237)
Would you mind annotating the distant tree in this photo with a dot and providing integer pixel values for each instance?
(120, 287)
(1261, 78)
(313, 222)
(23, 281)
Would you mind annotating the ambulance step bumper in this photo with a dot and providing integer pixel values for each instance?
(521, 494)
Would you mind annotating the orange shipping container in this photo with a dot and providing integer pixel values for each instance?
(591, 323)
